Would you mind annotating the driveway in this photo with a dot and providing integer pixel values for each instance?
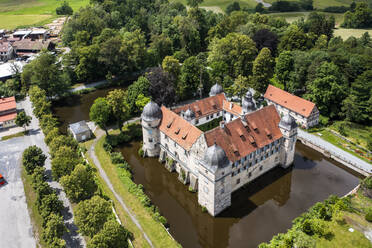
(16, 228)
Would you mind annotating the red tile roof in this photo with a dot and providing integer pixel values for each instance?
(232, 107)
(289, 101)
(178, 129)
(8, 117)
(238, 138)
(7, 103)
(4, 46)
(205, 106)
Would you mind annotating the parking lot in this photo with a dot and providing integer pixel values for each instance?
(16, 228)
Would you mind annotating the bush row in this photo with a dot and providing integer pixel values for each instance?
(93, 214)
(47, 203)
(312, 224)
(124, 172)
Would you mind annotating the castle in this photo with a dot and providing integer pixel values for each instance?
(246, 144)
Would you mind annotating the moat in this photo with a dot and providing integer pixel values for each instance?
(260, 210)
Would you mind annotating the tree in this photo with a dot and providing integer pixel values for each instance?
(50, 204)
(142, 101)
(62, 140)
(239, 87)
(54, 230)
(320, 24)
(64, 9)
(294, 38)
(259, 8)
(172, 66)
(23, 120)
(328, 89)
(161, 88)
(141, 86)
(161, 46)
(265, 38)
(194, 3)
(53, 133)
(112, 235)
(64, 161)
(45, 72)
(100, 113)
(33, 157)
(91, 215)
(361, 17)
(133, 50)
(117, 101)
(235, 6)
(283, 67)
(80, 184)
(263, 70)
(237, 51)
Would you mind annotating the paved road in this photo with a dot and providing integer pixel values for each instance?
(16, 228)
(264, 4)
(103, 174)
(338, 152)
(73, 238)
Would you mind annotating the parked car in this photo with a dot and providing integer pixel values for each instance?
(2, 180)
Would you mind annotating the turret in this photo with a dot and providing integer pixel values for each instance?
(215, 90)
(248, 104)
(288, 127)
(189, 115)
(214, 180)
(151, 117)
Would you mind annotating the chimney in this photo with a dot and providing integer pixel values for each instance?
(231, 104)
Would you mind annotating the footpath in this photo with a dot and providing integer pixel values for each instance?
(332, 151)
(72, 237)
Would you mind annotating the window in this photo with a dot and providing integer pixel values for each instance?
(175, 144)
(261, 168)
(150, 140)
(222, 190)
(218, 113)
(207, 117)
(232, 174)
(196, 121)
(231, 116)
(249, 174)
(238, 181)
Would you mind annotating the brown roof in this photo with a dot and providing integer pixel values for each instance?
(238, 138)
(8, 117)
(28, 44)
(4, 46)
(232, 107)
(178, 129)
(7, 103)
(289, 101)
(205, 106)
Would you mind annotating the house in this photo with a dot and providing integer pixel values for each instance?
(303, 111)
(246, 144)
(2, 32)
(28, 47)
(21, 34)
(6, 51)
(39, 33)
(8, 69)
(8, 112)
(80, 130)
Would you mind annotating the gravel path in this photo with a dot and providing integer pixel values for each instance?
(72, 237)
(103, 174)
(334, 150)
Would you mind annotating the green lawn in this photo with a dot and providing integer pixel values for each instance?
(36, 219)
(18, 13)
(222, 4)
(14, 135)
(154, 229)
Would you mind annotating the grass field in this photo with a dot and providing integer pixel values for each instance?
(18, 13)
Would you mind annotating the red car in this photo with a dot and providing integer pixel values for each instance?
(2, 181)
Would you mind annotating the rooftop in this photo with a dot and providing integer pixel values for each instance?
(6, 69)
(79, 127)
(178, 129)
(8, 117)
(28, 44)
(7, 103)
(241, 137)
(289, 101)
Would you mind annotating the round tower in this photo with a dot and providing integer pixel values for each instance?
(214, 180)
(150, 121)
(248, 104)
(288, 127)
(189, 115)
(215, 90)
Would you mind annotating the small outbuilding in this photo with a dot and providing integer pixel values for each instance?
(80, 130)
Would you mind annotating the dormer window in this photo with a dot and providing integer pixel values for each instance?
(177, 131)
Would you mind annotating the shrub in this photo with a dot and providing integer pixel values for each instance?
(64, 9)
(107, 147)
(38, 177)
(323, 120)
(124, 166)
(117, 158)
(367, 183)
(204, 209)
(141, 152)
(368, 215)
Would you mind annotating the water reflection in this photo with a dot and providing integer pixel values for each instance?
(259, 210)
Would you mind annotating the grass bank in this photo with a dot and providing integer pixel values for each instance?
(23, 133)
(36, 219)
(121, 182)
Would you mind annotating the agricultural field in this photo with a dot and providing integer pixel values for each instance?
(18, 13)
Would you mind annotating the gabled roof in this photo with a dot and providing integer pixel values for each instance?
(289, 101)
(79, 127)
(8, 117)
(178, 129)
(232, 108)
(204, 107)
(4, 46)
(7, 103)
(241, 137)
(32, 45)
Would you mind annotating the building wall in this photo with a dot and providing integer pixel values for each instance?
(302, 121)
(151, 138)
(7, 124)
(227, 116)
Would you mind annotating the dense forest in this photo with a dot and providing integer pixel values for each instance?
(182, 52)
